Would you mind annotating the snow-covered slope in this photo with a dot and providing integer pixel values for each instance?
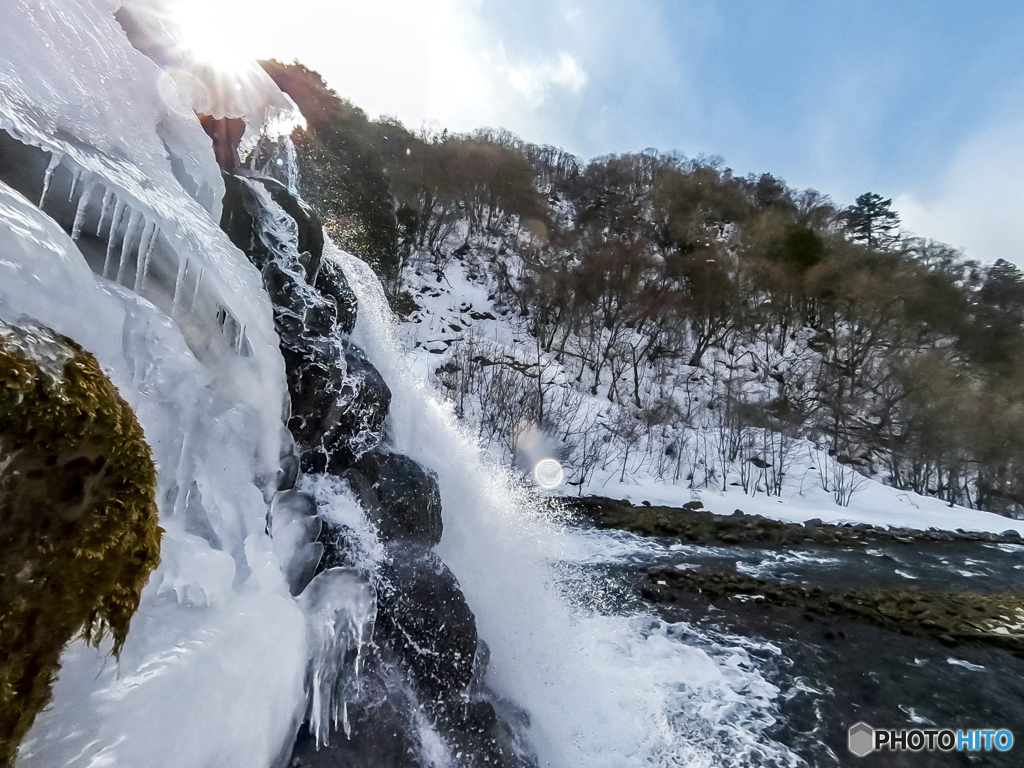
(458, 320)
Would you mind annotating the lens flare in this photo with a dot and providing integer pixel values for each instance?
(206, 33)
(548, 473)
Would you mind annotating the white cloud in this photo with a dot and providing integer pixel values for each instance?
(978, 204)
(534, 79)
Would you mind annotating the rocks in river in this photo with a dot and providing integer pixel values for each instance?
(424, 617)
(957, 617)
(401, 497)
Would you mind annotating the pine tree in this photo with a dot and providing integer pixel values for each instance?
(872, 221)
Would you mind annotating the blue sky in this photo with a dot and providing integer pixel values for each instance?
(921, 101)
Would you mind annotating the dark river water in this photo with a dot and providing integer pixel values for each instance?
(834, 673)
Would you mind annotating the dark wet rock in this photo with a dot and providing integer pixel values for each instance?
(339, 403)
(382, 732)
(423, 617)
(237, 218)
(959, 617)
(704, 527)
(289, 298)
(480, 737)
(338, 541)
(400, 496)
(310, 228)
(226, 133)
(321, 316)
(331, 282)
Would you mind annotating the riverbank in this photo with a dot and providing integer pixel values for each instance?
(695, 524)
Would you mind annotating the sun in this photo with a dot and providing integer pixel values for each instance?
(208, 32)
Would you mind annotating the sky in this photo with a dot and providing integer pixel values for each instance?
(918, 100)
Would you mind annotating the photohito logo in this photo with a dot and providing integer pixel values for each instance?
(864, 740)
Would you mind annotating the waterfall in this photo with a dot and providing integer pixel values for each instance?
(602, 689)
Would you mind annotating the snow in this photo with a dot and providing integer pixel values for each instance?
(877, 504)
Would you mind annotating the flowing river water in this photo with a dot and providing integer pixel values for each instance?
(833, 672)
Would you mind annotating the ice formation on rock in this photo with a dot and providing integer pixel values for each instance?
(125, 256)
(340, 606)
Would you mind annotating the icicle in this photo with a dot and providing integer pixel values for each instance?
(149, 234)
(126, 246)
(195, 293)
(292, 164)
(74, 185)
(81, 210)
(179, 281)
(107, 197)
(55, 159)
(240, 340)
(115, 222)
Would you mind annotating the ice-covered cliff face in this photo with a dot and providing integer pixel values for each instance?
(109, 199)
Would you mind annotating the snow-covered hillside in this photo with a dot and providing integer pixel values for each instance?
(459, 334)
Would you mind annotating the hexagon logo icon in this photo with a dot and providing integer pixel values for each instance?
(862, 739)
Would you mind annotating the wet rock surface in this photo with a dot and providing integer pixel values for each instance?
(694, 524)
(424, 617)
(339, 404)
(332, 283)
(423, 673)
(382, 732)
(952, 618)
(400, 496)
(310, 228)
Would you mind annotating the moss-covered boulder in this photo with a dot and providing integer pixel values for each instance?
(78, 519)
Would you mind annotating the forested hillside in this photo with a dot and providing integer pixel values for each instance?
(668, 317)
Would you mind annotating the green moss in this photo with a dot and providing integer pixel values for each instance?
(77, 517)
